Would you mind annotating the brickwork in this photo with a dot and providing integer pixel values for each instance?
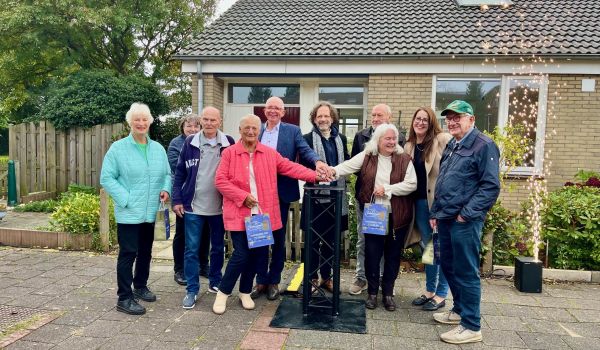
(213, 91)
(404, 93)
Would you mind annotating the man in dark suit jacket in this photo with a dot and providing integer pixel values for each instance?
(288, 141)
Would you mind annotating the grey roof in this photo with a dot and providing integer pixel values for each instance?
(399, 28)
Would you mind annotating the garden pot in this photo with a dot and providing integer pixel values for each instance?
(528, 274)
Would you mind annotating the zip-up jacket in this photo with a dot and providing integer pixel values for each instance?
(134, 181)
(468, 183)
(186, 171)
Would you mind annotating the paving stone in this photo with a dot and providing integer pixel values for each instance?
(51, 333)
(349, 341)
(420, 316)
(59, 273)
(162, 345)
(31, 300)
(204, 318)
(543, 341)
(75, 280)
(544, 326)
(589, 330)
(505, 339)
(77, 318)
(183, 333)
(398, 315)
(382, 327)
(94, 271)
(7, 281)
(54, 290)
(487, 309)
(582, 343)
(263, 340)
(36, 282)
(506, 323)
(28, 345)
(127, 341)
(560, 315)
(308, 339)
(17, 291)
(78, 342)
(514, 310)
(586, 315)
(388, 342)
(416, 330)
(153, 310)
(103, 328)
(25, 274)
(149, 326)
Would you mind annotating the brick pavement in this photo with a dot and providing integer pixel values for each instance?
(82, 287)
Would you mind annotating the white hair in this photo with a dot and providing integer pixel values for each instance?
(138, 108)
(250, 118)
(372, 146)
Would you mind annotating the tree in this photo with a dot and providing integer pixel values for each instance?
(91, 97)
(45, 39)
(259, 94)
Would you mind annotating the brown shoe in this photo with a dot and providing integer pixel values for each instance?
(389, 303)
(273, 292)
(328, 285)
(371, 302)
(258, 290)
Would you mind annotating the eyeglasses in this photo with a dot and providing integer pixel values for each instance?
(454, 117)
(274, 108)
(421, 120)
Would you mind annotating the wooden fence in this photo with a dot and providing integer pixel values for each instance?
(50, 159)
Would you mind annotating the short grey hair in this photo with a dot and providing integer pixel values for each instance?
(372, 146)
(250, 118)
(136, 109)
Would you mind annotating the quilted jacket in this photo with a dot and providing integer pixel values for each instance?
(134, 182)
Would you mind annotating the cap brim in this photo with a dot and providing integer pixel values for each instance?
(445, 111)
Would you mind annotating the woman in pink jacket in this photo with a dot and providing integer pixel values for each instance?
(247, 179)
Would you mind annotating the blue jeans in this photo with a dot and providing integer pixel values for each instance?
(460, 243)
(241, 264)
(271, 273)
(435, 280)
(194, 225)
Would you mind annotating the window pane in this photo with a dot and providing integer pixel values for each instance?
(483, 95)
(351, 120)
(342, 95)
(258, 94)
(522, 112)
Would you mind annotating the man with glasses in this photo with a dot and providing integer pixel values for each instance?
(466, 188)
(381, 114)
(288, 141)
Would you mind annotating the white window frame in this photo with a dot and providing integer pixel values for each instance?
(537, 168)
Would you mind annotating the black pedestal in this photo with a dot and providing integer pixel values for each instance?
(528, 275)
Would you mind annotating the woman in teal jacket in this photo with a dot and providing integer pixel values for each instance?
(136, 174)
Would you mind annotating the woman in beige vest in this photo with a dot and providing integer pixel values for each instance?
(425, 145)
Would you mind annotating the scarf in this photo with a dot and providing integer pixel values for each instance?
(318, 147)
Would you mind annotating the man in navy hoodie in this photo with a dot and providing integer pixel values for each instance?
(196, 198)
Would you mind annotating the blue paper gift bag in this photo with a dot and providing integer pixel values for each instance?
(258, 230)
(375, 219)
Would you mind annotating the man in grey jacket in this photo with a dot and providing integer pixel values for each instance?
(467, 187)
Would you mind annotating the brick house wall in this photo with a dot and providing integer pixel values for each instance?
(573, 115)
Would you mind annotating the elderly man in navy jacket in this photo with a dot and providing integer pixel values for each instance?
(288, 141)
(467, 187)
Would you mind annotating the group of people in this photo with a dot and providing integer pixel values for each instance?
(432, 183)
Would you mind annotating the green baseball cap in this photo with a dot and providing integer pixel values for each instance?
(460, 107)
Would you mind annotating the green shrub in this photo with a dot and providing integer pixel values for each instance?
(76, 188)
(164, 132)
(352, 235)
(571, 224)
(45, 206)
(91, 97)
(77, 213)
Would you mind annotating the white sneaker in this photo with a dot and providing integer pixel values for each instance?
(247, 302)
(461, 335)
(447, 317)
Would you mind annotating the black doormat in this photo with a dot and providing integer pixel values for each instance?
(352, 317)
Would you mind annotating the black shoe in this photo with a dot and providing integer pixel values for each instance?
(178, 277)
(389, 303)
(371, 302)
(273, 292)
(204, 271)
(432, 305)
(145, 294)
(130, 307)
(258, 290)
(422, 300)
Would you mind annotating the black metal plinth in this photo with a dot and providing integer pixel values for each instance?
(321, 203)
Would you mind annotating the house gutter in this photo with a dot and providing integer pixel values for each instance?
(200, 86)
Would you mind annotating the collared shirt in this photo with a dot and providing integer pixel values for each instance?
(467, 134)
(207, 200)
(270, 137)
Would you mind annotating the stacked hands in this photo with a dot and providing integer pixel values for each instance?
(324, 172)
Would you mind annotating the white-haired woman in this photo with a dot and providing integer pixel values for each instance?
(388, 177)
(136, 174)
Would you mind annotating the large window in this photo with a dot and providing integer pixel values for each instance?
(259, 93)
(349, 102)
(502, 101)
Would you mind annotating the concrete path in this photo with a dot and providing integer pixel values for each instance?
(77, 293)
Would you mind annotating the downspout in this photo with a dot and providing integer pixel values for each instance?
(200, 86)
